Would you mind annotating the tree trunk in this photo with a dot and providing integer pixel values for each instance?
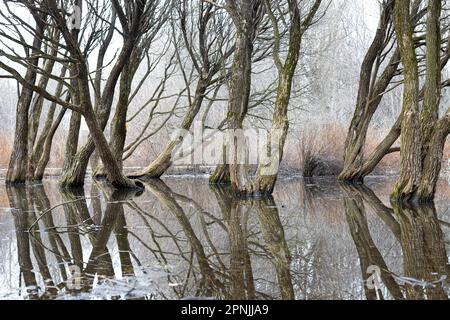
(267, 172)
(433, 161)
(430, 106)
(118, 125)
(384, 148)
(74, 175)
(71, 146)
(237, 106)
(370, 92)
(36, 146)
(39, 147)
(410, 163)
(35, 115)
(47, 148)
(113, 172)
(17, 168)
(164, 160)
(433, 133)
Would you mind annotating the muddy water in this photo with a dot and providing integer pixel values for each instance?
(182, 238)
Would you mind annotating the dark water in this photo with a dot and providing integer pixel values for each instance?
(182, 238)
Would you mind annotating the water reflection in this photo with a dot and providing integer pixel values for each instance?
(417, 229)
(183, 239)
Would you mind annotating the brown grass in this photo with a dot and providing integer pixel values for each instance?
(314, 151)
(5, 149)
(56, 157)
(318, 151)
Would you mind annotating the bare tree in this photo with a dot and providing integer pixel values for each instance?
(423, 133)
(17, 167)
(135, 22)
(266, 179)
(206, 36)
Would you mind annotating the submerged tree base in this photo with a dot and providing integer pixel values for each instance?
(120, 184)
(351, 176)
(415, 198)
(221, 175)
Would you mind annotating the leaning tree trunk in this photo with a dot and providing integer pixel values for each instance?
(118, 124)
(356, 168)
(164, 160)
(370, 93)
(410, 163)
(113, 172)
(74, 175)
(267, 172)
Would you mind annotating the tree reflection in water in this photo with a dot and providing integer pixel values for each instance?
(417, 229)
(215, 272)
(167, 244)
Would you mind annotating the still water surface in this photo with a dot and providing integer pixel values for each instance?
(181, 239)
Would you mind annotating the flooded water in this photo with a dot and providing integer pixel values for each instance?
(182, 239)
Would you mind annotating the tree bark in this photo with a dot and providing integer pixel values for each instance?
(118, 125)
(241, 73)
(35, 114)
(74, 175)
(47, 148)
(267, 173)
(71, 143)
(410, 154)
(43, 143)
(433, 132)
(430, 106)
(433, 161)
